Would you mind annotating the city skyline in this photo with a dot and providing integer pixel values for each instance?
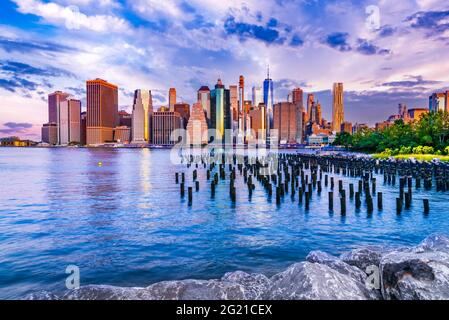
(186, 45)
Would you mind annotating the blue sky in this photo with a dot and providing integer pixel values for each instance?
(399, 55)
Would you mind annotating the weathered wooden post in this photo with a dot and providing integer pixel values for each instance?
(343, 204)
(331, 201)
(380, 205)
(182, 189)
(190, 196)
(177, 177)
(197, 186)
(426, 206)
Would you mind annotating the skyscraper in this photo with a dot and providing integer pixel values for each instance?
(242, 101)
(54, 99)
(69, 121)
(163, 125)
(197, 127)
(310, 102)
(297, 100)
(172, 99)
(140, 116)
(285, 122)
(234, 98)
(54, 104)
(268, 100)
(338, 116)
(258, 119)
(220, 106)
(102, 111)
(204, 99)
(257, 97)
(184, 111)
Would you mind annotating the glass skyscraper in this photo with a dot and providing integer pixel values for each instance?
(268, 100)
(220, 107)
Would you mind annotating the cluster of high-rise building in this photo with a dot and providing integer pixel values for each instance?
(222, 109)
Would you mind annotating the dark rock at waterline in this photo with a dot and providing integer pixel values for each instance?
(416, 273)
(419, 273)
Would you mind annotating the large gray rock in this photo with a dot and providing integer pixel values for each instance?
(254, 285)
(364, 257)
(312, 281)
(337, 264)
(196, 290)
(435, 242)
(419, 273)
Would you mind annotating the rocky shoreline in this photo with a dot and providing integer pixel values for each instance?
(366, 273)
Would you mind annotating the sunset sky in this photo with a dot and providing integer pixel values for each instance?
(400, 57)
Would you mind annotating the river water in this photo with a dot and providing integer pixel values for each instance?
(124, 223)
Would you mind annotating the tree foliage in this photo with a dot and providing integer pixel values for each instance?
(428, 135)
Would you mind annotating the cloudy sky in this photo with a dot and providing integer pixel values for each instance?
(385, 51)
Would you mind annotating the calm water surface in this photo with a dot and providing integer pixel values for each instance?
(124, 223)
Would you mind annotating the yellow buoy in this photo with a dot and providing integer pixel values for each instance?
(100, 164)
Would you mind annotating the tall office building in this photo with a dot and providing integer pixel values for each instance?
(220, 106)
(54, 104)
(102, 111)
(172, 99)
(242, 101)
(285, 121)
(297, 100)
(258, 120)
(69, 121)
(163, 125)
(257, 96)
(204, 99)
(234, 98)
(140, 117)
(184, 111)
(268, 99)
(54, 100)
(197, 133)
(338, 115)
(310, 102)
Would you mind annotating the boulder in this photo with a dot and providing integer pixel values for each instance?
(254, 285)
(419, 273)
(364, 257)
(337, 264)
(312, 281)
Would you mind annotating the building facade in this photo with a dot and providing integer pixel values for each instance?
(50, 133)
(69, 128)
(102, 111)
(439, 101)
(164, 123)
(204, 99)
(220, 105)
(197, 127)
(172, 99)
(141, 116)
(122, 134)
(268, 100)
(257, 96)
(285, 121)
(184, 111)
(338, 115)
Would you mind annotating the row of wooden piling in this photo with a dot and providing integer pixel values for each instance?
(290, 178)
